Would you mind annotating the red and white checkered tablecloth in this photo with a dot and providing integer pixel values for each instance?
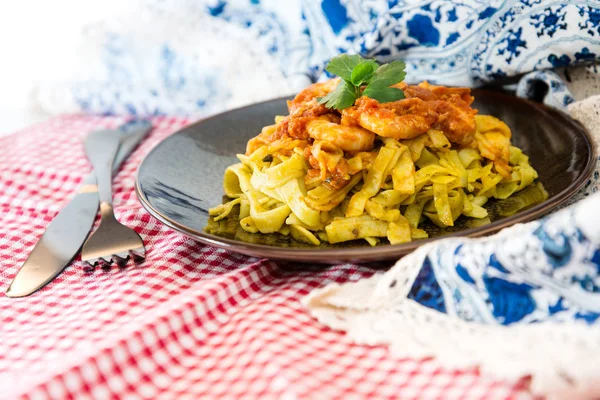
(192, 321)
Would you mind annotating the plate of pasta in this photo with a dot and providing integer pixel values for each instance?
(364, 167)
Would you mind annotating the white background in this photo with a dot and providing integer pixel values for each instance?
(37, 40)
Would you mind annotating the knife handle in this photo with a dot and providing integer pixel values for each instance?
(131, 134)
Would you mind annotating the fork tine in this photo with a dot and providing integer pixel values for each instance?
(90, 265)
(104, 261)
(92, 262)
(120, 261)
(138, 254)
(123, 255)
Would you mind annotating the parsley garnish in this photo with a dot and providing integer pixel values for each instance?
(356, 73)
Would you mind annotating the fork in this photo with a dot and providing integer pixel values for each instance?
(112, 241)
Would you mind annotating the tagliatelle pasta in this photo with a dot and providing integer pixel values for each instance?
(321, 175)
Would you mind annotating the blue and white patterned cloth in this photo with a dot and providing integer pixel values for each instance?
(547, 270)
(197, 57)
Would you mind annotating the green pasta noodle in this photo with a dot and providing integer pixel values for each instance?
(324, 190)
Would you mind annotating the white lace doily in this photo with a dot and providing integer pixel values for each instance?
(582, 82)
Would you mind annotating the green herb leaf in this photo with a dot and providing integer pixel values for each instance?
(343, 65)
(363, 72)
(383, 94)
(356, 72)
(388, 74)
(343, 96)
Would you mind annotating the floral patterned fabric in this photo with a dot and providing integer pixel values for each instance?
(547, 270)
(188, 57)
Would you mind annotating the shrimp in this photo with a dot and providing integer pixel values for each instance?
(416, 91)
(428, 92)
(294, 125)
(347, 138)
(312, 92)
(456, 120)
(403, 119)
(455, 116)
(426, 107)
(443, 92)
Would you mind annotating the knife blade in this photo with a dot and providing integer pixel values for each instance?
(66, 233)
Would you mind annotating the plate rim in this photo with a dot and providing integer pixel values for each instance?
(367, 254)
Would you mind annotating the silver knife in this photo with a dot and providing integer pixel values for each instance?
(66, 233)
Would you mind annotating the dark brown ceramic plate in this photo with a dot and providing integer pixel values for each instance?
(183, 176)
